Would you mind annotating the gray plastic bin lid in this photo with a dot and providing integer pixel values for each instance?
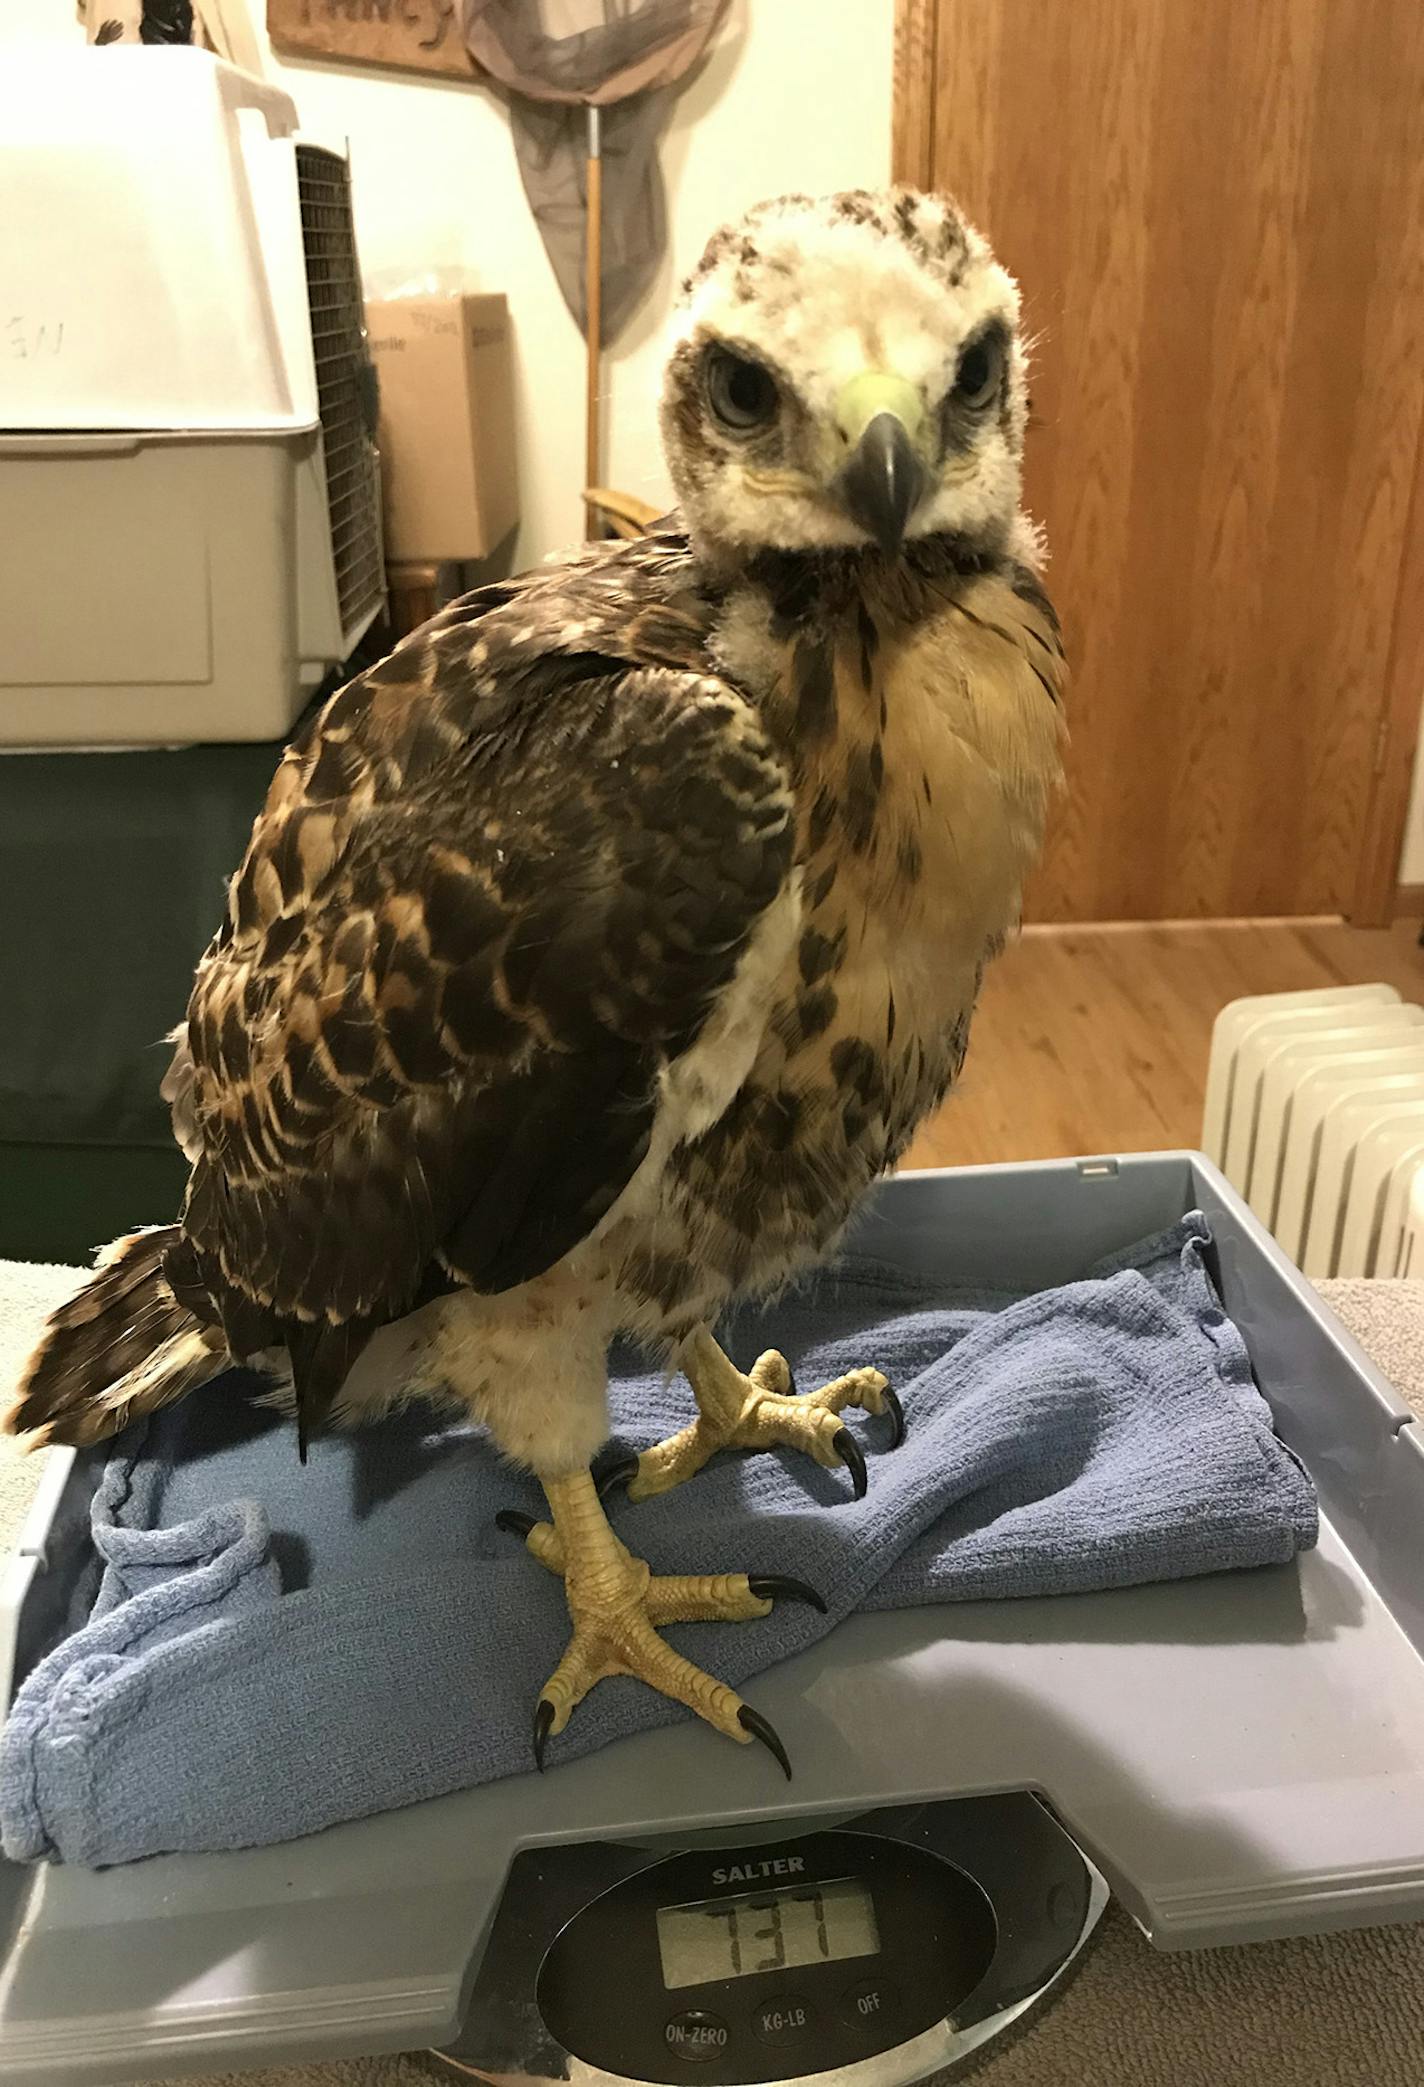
(1242, 1756)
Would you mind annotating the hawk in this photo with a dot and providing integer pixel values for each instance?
(597, 950)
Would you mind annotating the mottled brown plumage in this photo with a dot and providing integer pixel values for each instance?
(501, 885)
(596, 951)
(503, 882)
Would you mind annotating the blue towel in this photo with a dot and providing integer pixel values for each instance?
(272, 1650)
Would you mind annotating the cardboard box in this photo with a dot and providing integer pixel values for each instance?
(447, 424)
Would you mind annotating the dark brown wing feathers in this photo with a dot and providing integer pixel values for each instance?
(504, 880)
(124, 1344)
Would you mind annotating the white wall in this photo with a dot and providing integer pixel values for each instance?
(795, 94)
(52, 21)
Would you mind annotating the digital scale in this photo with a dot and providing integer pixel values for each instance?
(1234, 1757)
(882, 1947)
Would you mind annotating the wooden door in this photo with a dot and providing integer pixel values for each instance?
(1216, 210)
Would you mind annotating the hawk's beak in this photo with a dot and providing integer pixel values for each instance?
(885, 478)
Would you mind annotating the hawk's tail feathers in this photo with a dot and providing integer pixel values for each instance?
(121, 1346)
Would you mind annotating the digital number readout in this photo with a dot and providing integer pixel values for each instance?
(766, 1931)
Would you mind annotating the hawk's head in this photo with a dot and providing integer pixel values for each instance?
(846, 369)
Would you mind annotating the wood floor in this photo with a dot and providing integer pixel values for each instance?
(1095, 1039)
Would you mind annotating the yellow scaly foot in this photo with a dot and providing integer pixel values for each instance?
(759, 1410)
(617, 1605)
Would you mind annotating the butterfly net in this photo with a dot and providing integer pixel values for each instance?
(555, 59)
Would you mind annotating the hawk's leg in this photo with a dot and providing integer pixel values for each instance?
(617, 1605)
(761, 1410)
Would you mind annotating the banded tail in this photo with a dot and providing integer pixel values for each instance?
(121, 1346)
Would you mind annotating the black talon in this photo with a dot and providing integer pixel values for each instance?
(513, 1522)
(770, 1586)
(752, 1721)
(543, 1723)
(850, 1454)
(897, 1414)
(618, 1473)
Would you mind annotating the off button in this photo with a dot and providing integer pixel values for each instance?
(871, 2005)
(696, 2036)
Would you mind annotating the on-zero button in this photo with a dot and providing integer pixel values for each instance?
(696, 2036)
(873, 2002)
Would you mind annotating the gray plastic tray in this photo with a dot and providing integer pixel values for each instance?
(1242, 1756)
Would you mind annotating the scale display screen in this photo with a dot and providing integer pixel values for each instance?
(811, 1923)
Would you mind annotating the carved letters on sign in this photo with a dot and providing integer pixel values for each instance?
(423, 35)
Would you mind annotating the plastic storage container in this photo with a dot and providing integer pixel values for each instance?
(189, 497)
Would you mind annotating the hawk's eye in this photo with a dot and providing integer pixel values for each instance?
(740, 392)
(981, 367)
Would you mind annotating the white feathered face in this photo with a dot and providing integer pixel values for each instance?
(846, 370)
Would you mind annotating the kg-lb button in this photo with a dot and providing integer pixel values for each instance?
(872, 2003)
(784, 2019)
(696, 2036)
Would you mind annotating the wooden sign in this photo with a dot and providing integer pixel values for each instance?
(411, 35)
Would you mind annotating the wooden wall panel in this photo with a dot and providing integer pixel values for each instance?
(1215, 211)
(912, 142)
